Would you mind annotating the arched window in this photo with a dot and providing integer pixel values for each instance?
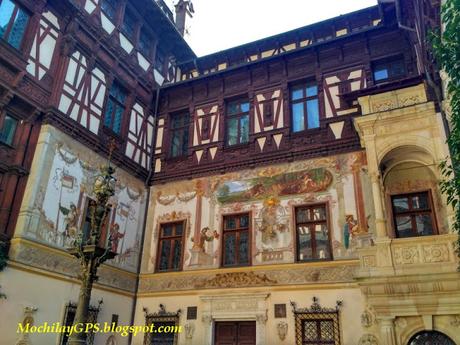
(430, 338)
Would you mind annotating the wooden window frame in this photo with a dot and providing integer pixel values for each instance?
(326, 221)
(170, 238)
(412, 213)
(5, 36)
(304, 100)
(237, 115)
(238, 230)
(172, 130)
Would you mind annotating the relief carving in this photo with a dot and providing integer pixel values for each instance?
(436, 253)
(368, 339)
(28, 321)
(282, 328)
(189, 330)
(406, 255)
(236, 279)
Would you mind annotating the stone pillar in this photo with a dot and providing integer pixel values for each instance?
(207, 329)
(261, 321)
(387, 331)
(380, 225)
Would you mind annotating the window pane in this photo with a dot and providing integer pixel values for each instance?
(167, 230)
(176, 144)
(109, 8)
(244, 221)
(420, 202)
(17, 31)
(327, 330)
(232, 131)
(245, 107)
(233, 108)
(313, 113)
(244, 248)
(310, 330)
(404, 226)
(319, 213)
(108, 113)
(424, 224)
(296, 94)
(164, 255)
(244, 129)
(229, 249)
(145, 44)
(305, 249)
(302, 215)
(230, 223)
(129, 24)
(381, 74)
(322, 241)
(401, 204)
(176, 254)
(8, 130)
(298, 120)
(179, 228)
(118, 116)
(312, 90)
(397, 68)
(6, 11)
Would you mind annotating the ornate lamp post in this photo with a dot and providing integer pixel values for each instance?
(88, 249)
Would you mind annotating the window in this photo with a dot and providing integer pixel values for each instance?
(179, 135)
(236, 241)
(8, 129)
(115, 108)
(413, 215)
(304, 107)
(312, 233)
(388, 69)
(170, 246)
(168, 321)
(317, 325)
(237, 122)
(13, 23)
(69, 317)
(160, 62)
(109, 7)
(129, 24)
(145, 44)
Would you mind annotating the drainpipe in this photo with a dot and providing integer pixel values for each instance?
(147, 183)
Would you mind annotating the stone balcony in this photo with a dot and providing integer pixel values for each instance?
(409, 256)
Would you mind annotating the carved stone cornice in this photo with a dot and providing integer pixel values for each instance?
(275, 276)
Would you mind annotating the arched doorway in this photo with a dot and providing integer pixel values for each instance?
(430, 338)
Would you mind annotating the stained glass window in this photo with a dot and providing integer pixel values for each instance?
(413, 215)
(115, 108)
(304, 107)
(8, 129)
(179, 134)
(13, 22)
(236, 240)
(313, 242)
(170, 247)
(237, 122)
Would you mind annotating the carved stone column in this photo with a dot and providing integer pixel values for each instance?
(387, 331)
(261, 321)
(207, 328)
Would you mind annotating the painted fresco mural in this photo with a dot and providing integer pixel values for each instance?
(270, 194)
(59, 210)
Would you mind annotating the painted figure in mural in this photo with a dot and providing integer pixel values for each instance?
(71, 219)
(272, 223)
(115, 236)
(349, 230)
(204, 237)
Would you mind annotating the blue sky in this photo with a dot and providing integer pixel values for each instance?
(221, 24)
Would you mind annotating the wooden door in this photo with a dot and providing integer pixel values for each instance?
(235, 333)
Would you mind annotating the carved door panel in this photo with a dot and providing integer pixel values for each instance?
(235, 333)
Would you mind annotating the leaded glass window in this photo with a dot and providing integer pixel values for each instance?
(236, 240)
(170, 247)
(388, 69)
(13, 22)
(237, 122)
(8, 129)
(312, 232)
(115, 108)
(413, 215)
(304, 107)
(179, 134)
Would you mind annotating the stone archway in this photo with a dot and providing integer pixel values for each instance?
(430, 338)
